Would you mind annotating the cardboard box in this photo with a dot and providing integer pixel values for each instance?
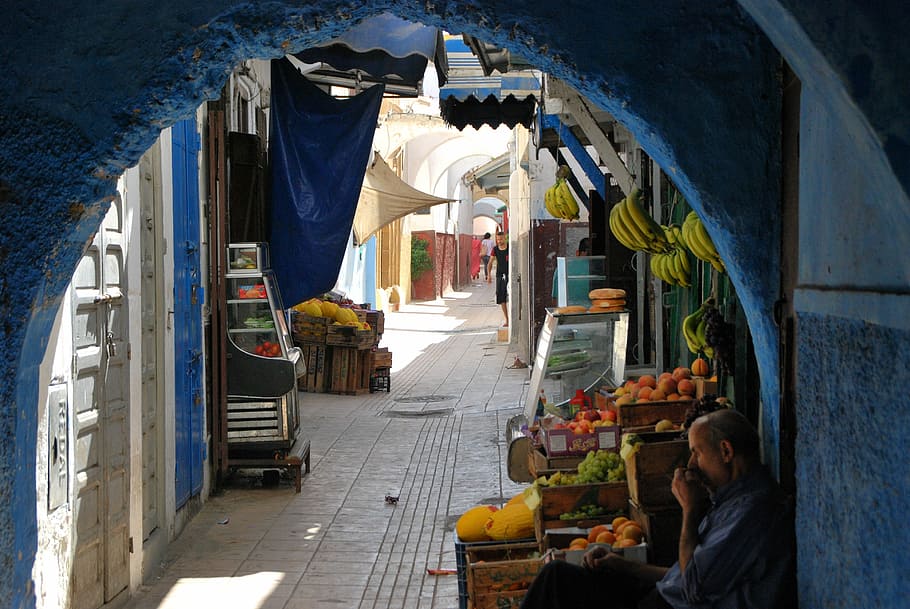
(637, 553)
(564, 442)
(649, 471)
(558, 500)
(661, 527)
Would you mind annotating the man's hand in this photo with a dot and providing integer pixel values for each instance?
(688, 490)
(600, 558)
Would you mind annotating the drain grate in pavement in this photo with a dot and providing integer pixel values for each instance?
(411, 414)
(425, 398)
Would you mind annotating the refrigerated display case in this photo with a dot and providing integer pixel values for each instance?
(577, 351)
(262, 362)
(576, 276)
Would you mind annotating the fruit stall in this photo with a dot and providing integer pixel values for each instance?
(607, 485)
(340, 345)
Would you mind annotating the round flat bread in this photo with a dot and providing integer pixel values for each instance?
(615, 309)
(570, 309)
(609, 302)
(606, 293)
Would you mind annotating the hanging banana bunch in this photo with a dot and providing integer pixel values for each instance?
(635, 229)
(673, 266)
(694, 330)
(558, 199)
(699, 242)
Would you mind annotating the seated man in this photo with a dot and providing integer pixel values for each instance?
(734, 548)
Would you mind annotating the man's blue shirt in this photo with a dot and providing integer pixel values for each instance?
(743, 552)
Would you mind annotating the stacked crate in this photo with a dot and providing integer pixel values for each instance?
(649, 473)
(338, 358)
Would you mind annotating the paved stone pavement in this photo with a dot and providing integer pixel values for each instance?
(436, 440)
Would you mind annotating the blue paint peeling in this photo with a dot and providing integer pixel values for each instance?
(87, 91)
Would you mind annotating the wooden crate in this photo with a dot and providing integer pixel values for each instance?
(461, 560)
(382, 358)
(376, 319)
(307, 330)
(649, 471)
(499, 576)
(315, 358)
(539, 464)
(661, 527)
(557, 500)
(350, 337)
(649, 413)
(349, 372)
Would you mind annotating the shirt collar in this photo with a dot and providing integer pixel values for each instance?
(732, 489)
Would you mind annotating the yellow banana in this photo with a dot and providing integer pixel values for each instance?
(550, 204)
(619, 231)
(558, 205)
(568, 199)
(705, 238)
(631, 228)
(654, 234)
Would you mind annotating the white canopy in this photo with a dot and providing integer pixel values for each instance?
(384, 197)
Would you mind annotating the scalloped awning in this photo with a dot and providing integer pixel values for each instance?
(470, 97)
(384, 49)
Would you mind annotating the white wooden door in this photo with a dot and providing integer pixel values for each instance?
(101, 418)
(151, 307)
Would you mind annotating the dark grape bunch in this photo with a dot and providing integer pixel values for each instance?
(721, 337)
(701, 406)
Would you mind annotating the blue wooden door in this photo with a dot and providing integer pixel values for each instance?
(189, 402)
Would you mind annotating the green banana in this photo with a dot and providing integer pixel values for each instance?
(689, 326)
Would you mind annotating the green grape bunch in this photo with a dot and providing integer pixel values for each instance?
(601, 466)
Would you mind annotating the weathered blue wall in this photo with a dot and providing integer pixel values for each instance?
(85, 91)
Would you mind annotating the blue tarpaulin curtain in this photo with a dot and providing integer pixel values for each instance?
(319, 148)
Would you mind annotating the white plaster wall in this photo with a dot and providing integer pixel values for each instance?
(54, 555)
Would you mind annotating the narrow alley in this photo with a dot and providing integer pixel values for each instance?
(435, 440)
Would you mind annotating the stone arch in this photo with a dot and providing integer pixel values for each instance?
(69, 134)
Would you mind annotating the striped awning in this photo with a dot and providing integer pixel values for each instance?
(470, 97)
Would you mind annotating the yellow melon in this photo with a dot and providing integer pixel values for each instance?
(514, 521)
(472, 524)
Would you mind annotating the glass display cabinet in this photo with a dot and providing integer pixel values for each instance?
(576, 276)
(577, 351)
(262, 362)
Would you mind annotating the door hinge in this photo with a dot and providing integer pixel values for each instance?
(129, 351)
(131, 545)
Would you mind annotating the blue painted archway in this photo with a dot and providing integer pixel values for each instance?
(86, 92)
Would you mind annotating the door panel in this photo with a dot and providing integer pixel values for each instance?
(101, 420)
(188, 298)
(151, 307)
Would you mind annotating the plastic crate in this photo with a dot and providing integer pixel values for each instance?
(461, 562)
